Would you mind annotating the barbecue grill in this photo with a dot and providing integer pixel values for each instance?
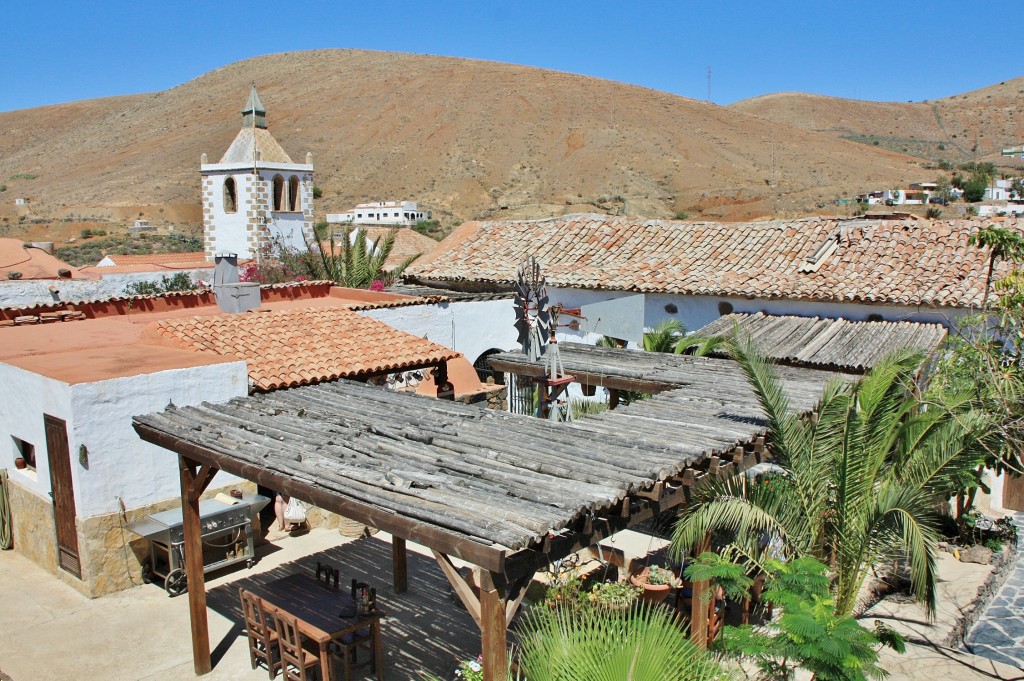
(226, 525)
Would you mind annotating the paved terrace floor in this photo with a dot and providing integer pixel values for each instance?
(53, 633)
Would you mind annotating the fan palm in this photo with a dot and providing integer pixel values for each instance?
(860, 479)
(602, 645)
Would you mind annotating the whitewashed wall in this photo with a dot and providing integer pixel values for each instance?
(26, 396)
(37, 291)
(470, 327)
(122, 466)
(697, 311)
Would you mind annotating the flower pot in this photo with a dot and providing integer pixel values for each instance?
(653, 593)
(20, 463)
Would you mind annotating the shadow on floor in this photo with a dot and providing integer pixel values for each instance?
(423, 629)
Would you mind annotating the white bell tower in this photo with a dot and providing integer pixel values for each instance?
(255, 199)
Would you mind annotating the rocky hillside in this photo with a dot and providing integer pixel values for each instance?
(468, 139)
(963, 127)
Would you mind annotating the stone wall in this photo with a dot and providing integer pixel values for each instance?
(32, 526)
(111, 555)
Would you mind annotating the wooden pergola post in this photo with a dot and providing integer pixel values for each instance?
(399, 565)
(698, 605)
(493, 626)
(492, 610)
(194, 481)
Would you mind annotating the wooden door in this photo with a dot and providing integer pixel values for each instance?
(63, 494)
(1013, 492)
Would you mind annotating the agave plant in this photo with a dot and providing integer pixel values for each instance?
(355, 261)
(860, 477)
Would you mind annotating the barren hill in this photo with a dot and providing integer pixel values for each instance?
(977, 124)
(469, 139)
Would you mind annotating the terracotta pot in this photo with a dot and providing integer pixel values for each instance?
(20, 463)
(653, 593)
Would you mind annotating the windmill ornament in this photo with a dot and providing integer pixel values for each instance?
(533, 321)
(537, 325)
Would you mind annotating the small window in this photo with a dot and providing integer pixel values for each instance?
(724, 308)
(293, 194)
(27, 451)
(875, 317)
(279, 193)
(230, 196)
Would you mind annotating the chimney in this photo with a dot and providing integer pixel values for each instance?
(232, 295)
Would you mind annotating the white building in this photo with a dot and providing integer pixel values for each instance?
(999, 191)
(399, 213)
(255, 196)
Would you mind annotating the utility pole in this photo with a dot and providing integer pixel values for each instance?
(709, 85)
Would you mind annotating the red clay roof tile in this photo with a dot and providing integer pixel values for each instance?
(913, 262)
(298, 347)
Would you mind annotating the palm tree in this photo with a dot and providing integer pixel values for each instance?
(647, 645)
(664, 336)
(860, 481)
(356, 262)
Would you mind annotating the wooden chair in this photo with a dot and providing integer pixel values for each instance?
(328, 575)
(296, 661)
(347, 652)
(262, 636)
(716, 608)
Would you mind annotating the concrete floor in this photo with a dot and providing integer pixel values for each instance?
(51, 632)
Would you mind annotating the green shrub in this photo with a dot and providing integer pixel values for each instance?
(682, 215)
(317, 192)
(23, 176)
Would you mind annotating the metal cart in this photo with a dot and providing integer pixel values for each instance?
(227, 538)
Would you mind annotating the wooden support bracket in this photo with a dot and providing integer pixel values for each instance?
(462, 588)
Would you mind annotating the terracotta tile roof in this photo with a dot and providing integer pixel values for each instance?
(178, 260)
(911, 262)
(299, 347)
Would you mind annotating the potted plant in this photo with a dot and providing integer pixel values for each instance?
(656, 582)
(20, 463)
(614, 595)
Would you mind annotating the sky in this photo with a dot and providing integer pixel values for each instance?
(65, 50)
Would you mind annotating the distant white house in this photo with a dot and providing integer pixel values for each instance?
(999, 191)
(382, 213)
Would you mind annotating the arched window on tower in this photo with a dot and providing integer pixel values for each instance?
(230, 196)
(293, 194)
(279, 193)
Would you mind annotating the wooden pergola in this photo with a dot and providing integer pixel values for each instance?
(509, 494)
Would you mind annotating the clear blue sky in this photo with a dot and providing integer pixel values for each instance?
(65, 50)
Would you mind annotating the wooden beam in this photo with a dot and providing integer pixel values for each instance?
(514, 597)
(493, 627)
(463, 590)
(610, 381)
(587, 533)
(490, 557)
(192, 486)
(399, 565)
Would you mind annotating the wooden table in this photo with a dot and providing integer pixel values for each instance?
(317, 608)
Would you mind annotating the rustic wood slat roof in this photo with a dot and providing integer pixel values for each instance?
(628, 369)
(823, 342)
(483, 478)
